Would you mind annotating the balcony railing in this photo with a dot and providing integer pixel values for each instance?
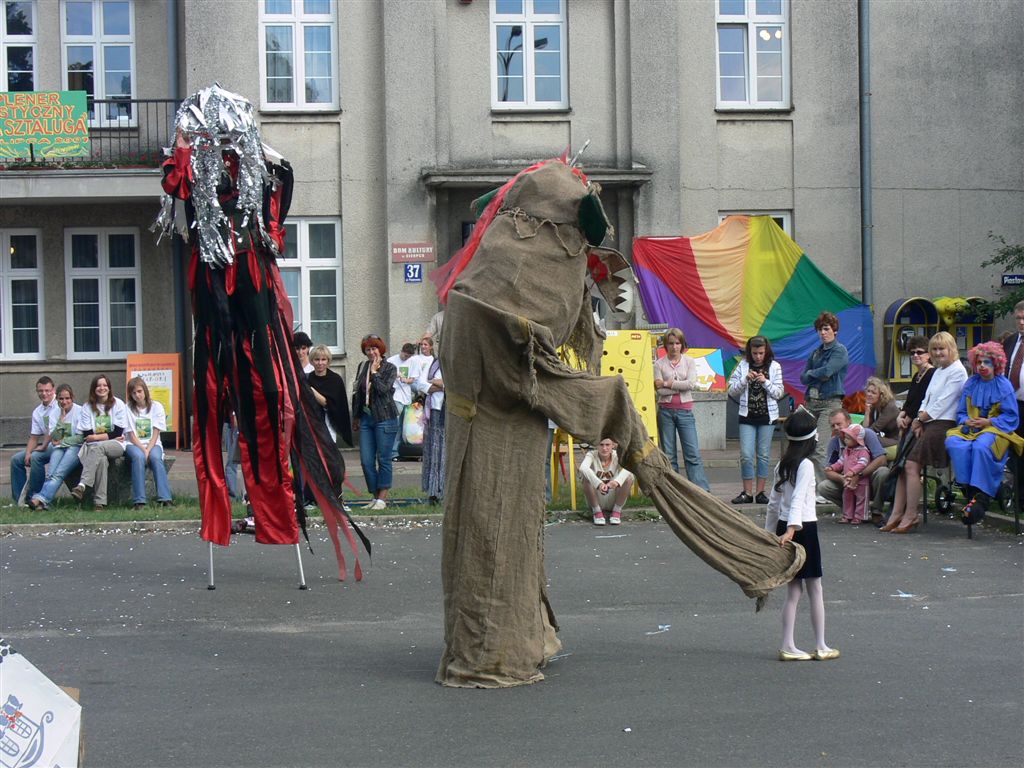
(123, 133)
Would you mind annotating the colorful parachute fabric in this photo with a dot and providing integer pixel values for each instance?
(748, 277)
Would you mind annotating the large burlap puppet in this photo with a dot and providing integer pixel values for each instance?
(516, 293)
(227, 194)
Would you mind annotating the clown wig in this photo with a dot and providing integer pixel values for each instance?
(991, 349)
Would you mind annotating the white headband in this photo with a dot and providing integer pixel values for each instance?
(809, 436)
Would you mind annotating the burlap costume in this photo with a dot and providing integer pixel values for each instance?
(520, 297)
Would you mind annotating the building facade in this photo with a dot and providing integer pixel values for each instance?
(396, 114)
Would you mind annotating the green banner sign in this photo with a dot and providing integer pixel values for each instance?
(44, 124)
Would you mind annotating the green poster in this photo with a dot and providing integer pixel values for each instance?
(45, 124)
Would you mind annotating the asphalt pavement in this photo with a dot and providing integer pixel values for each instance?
(665, 662)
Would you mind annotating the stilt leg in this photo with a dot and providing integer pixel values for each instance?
(211, 584)
(302, 575)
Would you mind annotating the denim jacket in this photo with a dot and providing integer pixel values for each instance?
(825, 371)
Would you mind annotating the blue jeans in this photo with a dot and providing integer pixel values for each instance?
(63, 461)
(761, 436)
(681, 421)
(376, 444)
(156, 463)
(35, 475)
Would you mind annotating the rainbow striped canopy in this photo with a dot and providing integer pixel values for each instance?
(748, 277)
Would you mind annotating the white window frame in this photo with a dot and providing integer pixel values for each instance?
(103, 274)
(7, 275)
(751, 22)
(18, 41)
(298, 21)
(98, 40)
(529, 19)
(298, 232)
(785, 217)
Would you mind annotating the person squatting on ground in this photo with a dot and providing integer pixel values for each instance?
(791, 516)
(66, 440)
(936, 416)
(823, 376)
(146, 420)
(987, 416)
(832, 487)
(375, 418)
(675, 376)
(104, 420)
(29, 465)
(853, 460)
(606, 483)
(757, 382)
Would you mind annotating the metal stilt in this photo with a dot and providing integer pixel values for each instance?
(211, 585)
(302, 575)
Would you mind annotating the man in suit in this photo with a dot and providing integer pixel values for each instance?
(1014, 347)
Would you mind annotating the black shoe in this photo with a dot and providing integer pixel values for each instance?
(761, 498)
(974, 512)
(743, 498)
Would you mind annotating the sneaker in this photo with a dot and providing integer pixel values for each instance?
(599, 518)
(345, 507)
(310, 506)
(743, 498)
(377, 504)
(615, 518)
(761, 498)
(250, 524)
(821, 500)
(78, 491)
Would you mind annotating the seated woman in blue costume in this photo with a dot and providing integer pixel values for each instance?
(987, 417)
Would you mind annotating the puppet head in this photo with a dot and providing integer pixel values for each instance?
(228, 171)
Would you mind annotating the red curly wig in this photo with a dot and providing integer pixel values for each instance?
(991, 349)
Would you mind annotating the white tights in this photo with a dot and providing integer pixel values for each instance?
(817, 598)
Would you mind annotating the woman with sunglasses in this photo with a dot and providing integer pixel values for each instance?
(918, 350)
(375, 418)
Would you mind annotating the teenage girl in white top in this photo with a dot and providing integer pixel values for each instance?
(791, 516)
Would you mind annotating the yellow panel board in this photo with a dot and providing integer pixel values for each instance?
(628, 353)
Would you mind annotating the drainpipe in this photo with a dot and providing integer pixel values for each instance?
(866, 252)
(182, 325)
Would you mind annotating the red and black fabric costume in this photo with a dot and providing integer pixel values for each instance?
(244, 362)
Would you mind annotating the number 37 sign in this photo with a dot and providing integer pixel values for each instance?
(413, 273)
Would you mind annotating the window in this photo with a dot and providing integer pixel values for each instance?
(298, 54)
(311, 271)
(783, 218)
(18, 44)
(21, 295)
(104, 293)
(753, 54)
(529, 54)
(99, 56)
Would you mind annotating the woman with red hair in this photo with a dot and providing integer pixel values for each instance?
(987, 417)
(375, 418)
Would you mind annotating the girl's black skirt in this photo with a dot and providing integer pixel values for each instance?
(807, 537)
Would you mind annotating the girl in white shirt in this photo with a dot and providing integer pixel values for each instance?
(104, 419)
(606, 484)
(791, 516)
(146, 420)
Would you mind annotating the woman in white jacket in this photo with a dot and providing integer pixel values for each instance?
(757, 383)
(606, 484)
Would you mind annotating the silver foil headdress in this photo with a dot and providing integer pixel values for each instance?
(212, 121)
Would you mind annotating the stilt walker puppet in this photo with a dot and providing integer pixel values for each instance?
(227, 194)
(514, 294)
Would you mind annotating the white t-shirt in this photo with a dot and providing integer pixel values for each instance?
(70, 423)
(144, 422)
(435, 399)
(403, 391)
(418, 363)
(44, 418)
(103, 422)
